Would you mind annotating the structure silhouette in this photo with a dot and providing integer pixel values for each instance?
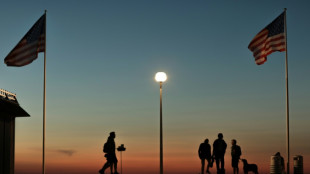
(10, 109)
(282, 161)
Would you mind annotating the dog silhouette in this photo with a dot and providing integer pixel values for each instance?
(249, 167)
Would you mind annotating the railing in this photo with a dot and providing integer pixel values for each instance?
(8, 95)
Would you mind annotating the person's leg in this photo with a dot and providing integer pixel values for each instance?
(111, 167)
(115, 165)
(209, 161)
(234, 164)
(235, 170)
(105, 166)
(115, 168)
(202, 165)
(217, 161)
(222, 163)
(221, 159)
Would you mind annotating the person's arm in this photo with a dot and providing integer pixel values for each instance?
(209, 150)
(213, 151)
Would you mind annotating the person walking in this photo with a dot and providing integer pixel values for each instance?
(204, 153)
(235, 156)
(109, 149)
(219, 149)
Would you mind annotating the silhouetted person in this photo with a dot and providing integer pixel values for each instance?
(235, 156)
(109, 149)
(204, 153)
(219, 149)
(282, 162)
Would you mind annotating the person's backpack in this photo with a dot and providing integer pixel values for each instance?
(106, 147)
(238, 151)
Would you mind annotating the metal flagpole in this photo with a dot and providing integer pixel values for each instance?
(44, 103)
(287, 99)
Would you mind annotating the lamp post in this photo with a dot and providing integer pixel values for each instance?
(121, 148)
(161, 77)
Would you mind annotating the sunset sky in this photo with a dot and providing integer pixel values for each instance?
(102, 57)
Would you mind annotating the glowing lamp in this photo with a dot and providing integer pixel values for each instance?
(160, 77)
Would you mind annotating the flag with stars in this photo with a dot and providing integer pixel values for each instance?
(269, 40)
(30, 45)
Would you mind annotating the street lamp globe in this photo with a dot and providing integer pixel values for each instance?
(160, 77)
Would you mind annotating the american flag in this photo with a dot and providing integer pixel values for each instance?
(30, 45)
(270, 39)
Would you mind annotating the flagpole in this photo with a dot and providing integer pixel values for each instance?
(287, 99)
(44, 103)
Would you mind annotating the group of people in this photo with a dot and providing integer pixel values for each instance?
(204, 152)
(219, 150)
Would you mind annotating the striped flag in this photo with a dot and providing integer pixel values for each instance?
(30, 45)
(269, 40)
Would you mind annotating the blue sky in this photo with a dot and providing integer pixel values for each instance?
(102, 57)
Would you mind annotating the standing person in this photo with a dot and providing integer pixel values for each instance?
(204, 153)
(235, 156)
(219, 149)
(109, 149)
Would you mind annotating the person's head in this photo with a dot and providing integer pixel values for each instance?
(278, 154)
(207, 141)
(220, 136)
(233, 142)
(112, 134)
